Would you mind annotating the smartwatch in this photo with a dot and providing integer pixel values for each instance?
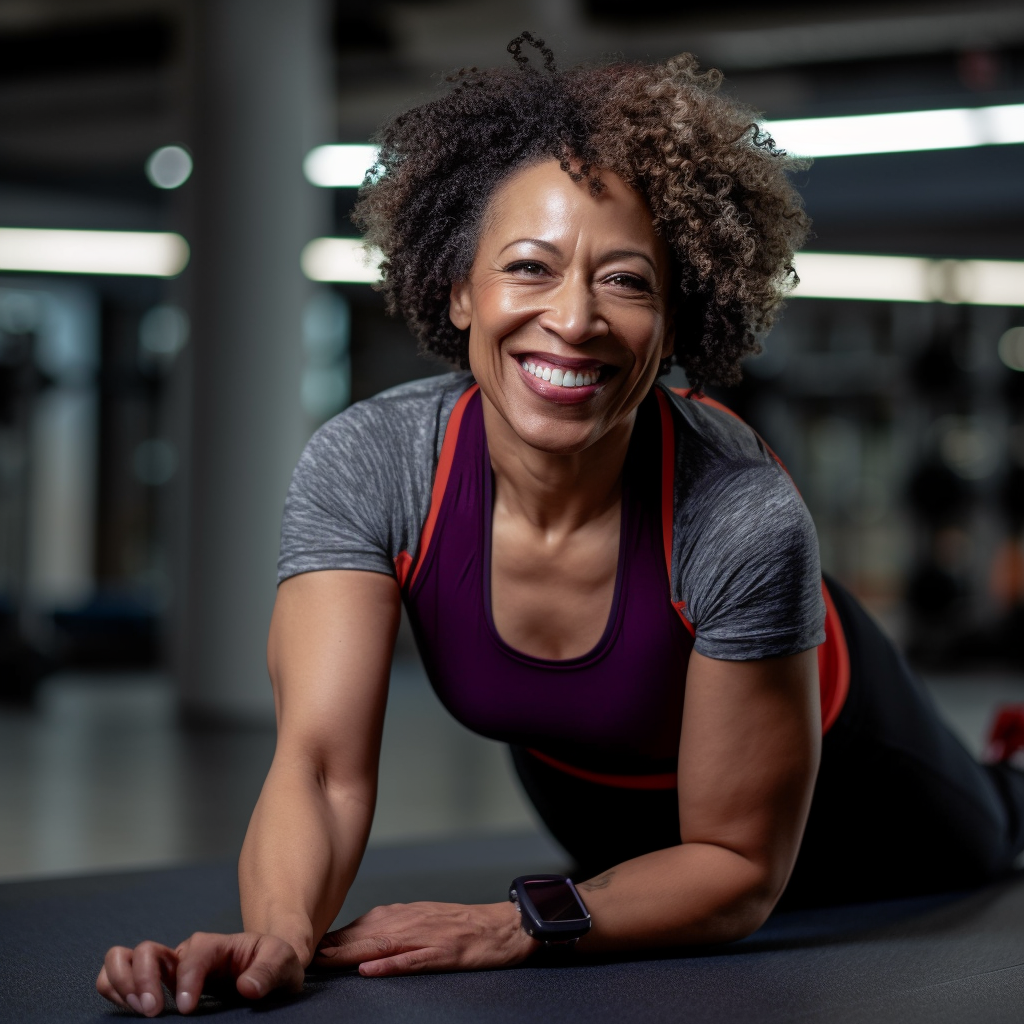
(551, 908)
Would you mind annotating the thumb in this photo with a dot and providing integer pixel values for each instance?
(274, 966)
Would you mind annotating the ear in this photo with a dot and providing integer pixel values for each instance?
(460, 305)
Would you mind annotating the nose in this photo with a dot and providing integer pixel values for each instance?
(572, 313)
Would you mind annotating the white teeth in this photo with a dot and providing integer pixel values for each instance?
(559, 377)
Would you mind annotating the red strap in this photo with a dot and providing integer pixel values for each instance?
(668, 478)
(404, 567)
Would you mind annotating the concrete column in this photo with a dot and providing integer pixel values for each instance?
(262, 99)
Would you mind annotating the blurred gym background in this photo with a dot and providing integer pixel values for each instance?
(177, 316)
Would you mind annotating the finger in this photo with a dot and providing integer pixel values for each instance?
(107, 990)
(353, 951)
(414, 961)
(117, 965)
(274, 965)
(152, 963)
(199, 956)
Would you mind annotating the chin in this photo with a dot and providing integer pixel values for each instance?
(555, 437)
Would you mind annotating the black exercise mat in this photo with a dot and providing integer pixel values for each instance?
(936, 960)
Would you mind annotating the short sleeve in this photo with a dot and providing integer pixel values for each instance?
(361, 490)
(337, 512)
(753, 577)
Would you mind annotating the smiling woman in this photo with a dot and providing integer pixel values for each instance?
(714, 185)
(616, 579)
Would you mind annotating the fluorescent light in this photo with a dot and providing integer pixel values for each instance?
(345, 166)
(825, 275)
(134, 253)
(345, 260)
(342, 166)
(904, 132)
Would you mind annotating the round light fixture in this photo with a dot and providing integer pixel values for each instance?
(169, 166)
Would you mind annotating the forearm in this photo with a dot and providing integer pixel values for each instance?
(690, 894)
(301, 852)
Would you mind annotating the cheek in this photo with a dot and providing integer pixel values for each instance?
(643, 331)
(498, 313)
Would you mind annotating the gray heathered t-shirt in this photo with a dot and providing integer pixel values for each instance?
(744, 553)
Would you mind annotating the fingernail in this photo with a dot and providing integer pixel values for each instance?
(148, 1002)
(255, 984)
(184, 1002)
(133, 1001)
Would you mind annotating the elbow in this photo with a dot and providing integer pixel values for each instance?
(758, 908)
(747, 911)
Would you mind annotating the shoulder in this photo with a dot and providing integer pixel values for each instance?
(404, 420)
(709, 434)
(745, 551)
(362, 486)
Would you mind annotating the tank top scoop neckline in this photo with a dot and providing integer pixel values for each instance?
(611, 715)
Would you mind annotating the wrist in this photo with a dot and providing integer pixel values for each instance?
(520, 945)
(295, 929)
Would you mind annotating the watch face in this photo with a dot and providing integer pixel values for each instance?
(555, 900)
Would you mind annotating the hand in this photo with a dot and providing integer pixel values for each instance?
(257, 964)
(410, 938)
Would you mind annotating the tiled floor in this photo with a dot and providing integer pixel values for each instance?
(99, 777)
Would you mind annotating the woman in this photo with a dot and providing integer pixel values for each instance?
(577, 548)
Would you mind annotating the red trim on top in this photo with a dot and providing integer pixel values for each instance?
(403, 566)
(668, 482)
(833, 665)
(665, 781)
(668, 474)
(444, 468)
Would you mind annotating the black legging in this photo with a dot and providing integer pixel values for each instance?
(900, 808)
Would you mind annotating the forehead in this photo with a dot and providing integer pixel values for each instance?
(542, 201)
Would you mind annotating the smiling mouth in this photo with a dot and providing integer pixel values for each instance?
(565, 377)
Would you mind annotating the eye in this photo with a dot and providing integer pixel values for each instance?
(632, 282)
(527, 268)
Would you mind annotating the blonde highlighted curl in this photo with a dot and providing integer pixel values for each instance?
(715, 183)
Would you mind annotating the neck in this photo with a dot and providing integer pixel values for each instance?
(556, 493)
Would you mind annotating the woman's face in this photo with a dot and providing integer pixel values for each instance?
(565, 306)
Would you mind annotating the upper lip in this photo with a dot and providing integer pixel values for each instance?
(566, 362)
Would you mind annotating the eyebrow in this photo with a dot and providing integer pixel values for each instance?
(615, 254)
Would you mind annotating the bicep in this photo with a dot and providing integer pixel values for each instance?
(748, 757)
(329, 654)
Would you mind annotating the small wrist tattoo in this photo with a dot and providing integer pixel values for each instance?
(600, 882)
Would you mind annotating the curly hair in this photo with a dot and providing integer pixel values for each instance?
(715, 183)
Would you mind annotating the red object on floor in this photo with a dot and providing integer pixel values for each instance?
(1006, 737)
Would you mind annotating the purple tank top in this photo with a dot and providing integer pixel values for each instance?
(616, 709)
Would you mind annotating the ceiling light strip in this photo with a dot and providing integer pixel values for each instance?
(130, 253)
(903, 132)
(345, 165)
(825, 275)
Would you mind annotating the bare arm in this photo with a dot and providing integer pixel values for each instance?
(329, 654)
(748, 758)
(330, 651)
